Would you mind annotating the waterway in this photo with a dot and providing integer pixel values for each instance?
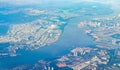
(71, 37)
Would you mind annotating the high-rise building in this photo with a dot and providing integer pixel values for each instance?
(75, 54)
(52, 68)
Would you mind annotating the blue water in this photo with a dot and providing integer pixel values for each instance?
(3, 29)
(72, 37)
(117, 36)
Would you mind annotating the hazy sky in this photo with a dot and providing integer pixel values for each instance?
(21, 2)
(25, 2)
